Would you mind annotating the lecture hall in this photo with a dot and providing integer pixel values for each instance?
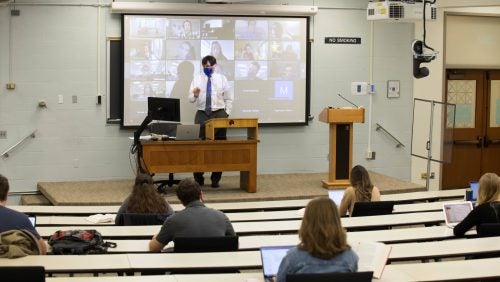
(249, 141)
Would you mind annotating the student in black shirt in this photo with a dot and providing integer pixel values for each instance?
(488, 205)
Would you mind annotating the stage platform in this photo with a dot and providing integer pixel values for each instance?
(269, 187)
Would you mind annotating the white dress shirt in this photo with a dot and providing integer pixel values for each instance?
(222, 96)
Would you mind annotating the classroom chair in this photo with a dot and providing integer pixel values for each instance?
(131, 219)
(205, 244)
(365, 276)
(22, 273)
(372, 208)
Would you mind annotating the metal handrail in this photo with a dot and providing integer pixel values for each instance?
(6, 153)
(398, 143)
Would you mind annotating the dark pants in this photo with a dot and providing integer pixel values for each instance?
(220, 134)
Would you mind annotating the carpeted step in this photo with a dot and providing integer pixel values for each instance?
(35, 200)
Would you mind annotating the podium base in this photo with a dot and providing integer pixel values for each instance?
(336, 184)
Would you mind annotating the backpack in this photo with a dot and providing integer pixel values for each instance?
(79, 242)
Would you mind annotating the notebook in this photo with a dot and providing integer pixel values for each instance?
(187, 132)
(455, 212)
(32, 219)
(271, 260)
(336, 195)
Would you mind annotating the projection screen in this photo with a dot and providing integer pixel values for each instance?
(265, 59)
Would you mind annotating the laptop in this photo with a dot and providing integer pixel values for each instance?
(455, 212)
(474, 188)
(271, 260)
(187, 132)
(336, 195)
(32, 219)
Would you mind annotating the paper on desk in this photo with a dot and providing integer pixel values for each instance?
(142, 137)
(300, 212)
(372, 256)
(101, 218)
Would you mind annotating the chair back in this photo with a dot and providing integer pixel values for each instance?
(131, 219)
(22, 273)
(372, 208)
(205, 244)
(365, 276)
(488, 230)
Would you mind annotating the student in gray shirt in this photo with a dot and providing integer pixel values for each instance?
(195, 220)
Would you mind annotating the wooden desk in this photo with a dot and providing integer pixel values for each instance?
(191, 156)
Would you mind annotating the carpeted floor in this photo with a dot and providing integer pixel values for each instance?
(269, 187)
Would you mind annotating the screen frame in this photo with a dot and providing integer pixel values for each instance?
(307, 102)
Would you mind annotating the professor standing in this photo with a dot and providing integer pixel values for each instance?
(211, 93)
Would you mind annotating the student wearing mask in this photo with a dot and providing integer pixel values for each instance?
(361, 190)
(211, 93)
(488, 205)
(323, 244)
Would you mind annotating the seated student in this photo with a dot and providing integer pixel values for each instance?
(14, 220)
(488, 205)
(143, 200)
(361, 190)
(323, 243)
(195, 220)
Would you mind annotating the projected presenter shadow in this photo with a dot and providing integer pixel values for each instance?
(185, 72)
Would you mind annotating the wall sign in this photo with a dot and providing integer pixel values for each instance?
(342, 40)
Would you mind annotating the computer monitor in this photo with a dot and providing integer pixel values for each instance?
(166, 109)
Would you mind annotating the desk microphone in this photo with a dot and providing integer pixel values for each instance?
(348, 101)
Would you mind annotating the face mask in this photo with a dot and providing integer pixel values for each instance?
(207, 71)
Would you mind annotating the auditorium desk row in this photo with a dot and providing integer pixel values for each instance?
(399, 252)
(439, 271)
(400, 207)
(242, 218)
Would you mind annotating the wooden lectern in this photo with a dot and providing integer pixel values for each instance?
(340, 157)
(251, 124)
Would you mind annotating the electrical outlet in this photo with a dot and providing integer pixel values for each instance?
(370, 155)
(74, 99)
(3, 134)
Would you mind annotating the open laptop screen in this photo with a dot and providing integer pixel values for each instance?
(271, 260)
(454, 213)
(336, 195)
(474, 187)
(32, 219)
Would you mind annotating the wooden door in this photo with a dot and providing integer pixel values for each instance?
(491, 149)
(476, 144)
